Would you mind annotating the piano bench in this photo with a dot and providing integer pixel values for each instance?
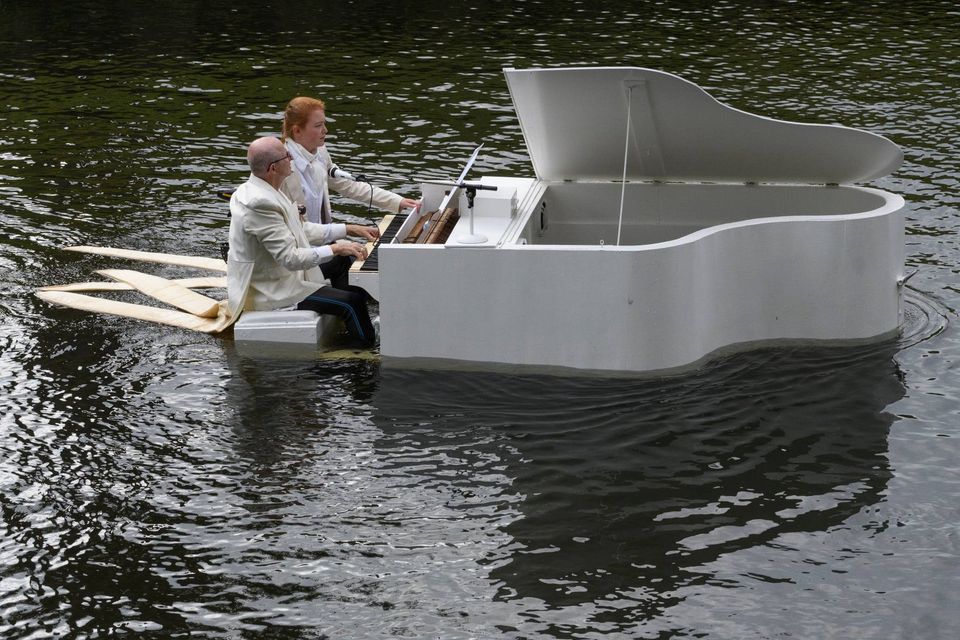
(293, 327)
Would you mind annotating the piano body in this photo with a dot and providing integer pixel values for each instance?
(430, 224)
(661, 227)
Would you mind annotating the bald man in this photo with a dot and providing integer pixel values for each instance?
(274, 258)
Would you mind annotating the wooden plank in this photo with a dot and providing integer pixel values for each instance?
(198, 262)
(438, 226)
(447, 229)
(417, 228)
(427, 227)
(205, 282)
(166, 291)
(138, 311)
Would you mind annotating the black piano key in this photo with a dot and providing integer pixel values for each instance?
(371, 264)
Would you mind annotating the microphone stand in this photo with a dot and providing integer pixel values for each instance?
(470, 188)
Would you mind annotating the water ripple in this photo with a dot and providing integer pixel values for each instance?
(923, 317)
(160, 483)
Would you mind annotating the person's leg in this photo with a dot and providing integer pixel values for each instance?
(337, 271)
(349, 304)
(359, 290)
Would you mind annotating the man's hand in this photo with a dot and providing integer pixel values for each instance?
(349, 248)
(367, 233)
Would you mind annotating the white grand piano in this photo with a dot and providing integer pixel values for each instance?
(662, 227)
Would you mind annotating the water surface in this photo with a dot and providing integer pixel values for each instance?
(160, 483)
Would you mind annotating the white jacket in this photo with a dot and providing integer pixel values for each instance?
(271, 263)
(318, 166)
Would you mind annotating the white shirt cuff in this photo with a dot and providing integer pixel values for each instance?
(324, 253)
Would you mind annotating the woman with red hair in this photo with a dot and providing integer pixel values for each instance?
(314, 174)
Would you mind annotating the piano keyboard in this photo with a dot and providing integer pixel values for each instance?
(389, 227)
(394, 228)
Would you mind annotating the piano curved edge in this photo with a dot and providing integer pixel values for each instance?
(649, 307)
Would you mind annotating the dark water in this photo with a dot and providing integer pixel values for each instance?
(159, 483)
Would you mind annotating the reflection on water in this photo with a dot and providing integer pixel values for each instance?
(624, 488)
(222, 498)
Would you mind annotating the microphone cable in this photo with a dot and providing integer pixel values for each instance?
(337, 172)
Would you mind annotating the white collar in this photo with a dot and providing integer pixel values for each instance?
(296, 147)
(263, 184)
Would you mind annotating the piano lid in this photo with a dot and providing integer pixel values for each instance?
(574, 121)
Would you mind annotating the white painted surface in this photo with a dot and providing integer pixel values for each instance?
(653, 306)
(678, 133)
(293, 327)
(369, 281)
(700, 266)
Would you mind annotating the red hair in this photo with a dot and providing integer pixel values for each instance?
(297, 113)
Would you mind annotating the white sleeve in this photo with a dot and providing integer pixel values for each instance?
(324, 253)
(319, 234)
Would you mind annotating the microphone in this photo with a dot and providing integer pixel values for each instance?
(337, 172)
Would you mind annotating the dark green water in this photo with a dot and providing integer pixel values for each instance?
(158, 483)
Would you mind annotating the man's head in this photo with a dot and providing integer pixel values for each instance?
(269, 160)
